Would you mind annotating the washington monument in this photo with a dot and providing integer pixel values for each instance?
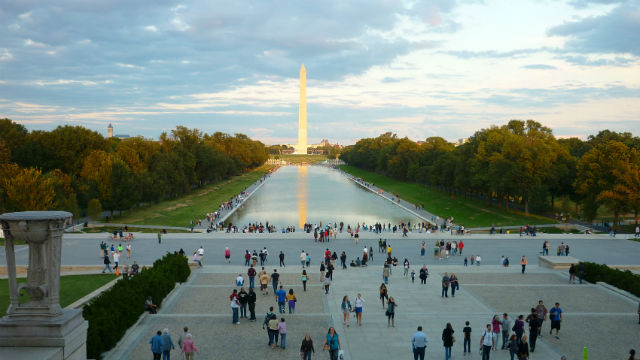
(301, 147)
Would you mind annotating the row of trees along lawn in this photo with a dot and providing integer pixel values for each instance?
(521, 162)
(73, 168)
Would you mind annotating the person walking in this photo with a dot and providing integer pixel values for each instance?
(183, 337)
(291, 299)
(167, 345)
(419, 344)
(506, 330)
(391, 312)
(332, 343)
(235, 305)
(541, 311)
(282, 330)
(267, 318)
(243, 299)
(157, 344)
(523, 349)
(346, 310)
(327, 282)
(512, 346)
(556, 318)
(386, 272)
(275, 280)
(424, 273)
(358, 304)
(303, 278)
(281, 297)
(306, 348)
(159, 237)
(188, 348)
(106, 264)
(467, 338)
(251, 273)
(447, 340)
(518, 327)
(384, 294)
(453, 283)
(303, 258)
(445, 285)
(572, 274)
(486, 342)
(580, 272)
(281, 257)
(251, 301)
(532, 319)
(227, 255)
(495, 325)
(523, 263)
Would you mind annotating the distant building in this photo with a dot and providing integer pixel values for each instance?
(109, 131)
(461, 141)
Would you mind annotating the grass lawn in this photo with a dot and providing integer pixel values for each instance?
(300, 159)
(179, 212)
(111, 229)
(72, 288)
(468, 212)
(15, 242)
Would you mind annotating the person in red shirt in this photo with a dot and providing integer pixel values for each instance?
(233, 295)
(461, 246)
(327, 254)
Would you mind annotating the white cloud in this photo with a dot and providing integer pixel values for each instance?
(5, 55)
(151, 28)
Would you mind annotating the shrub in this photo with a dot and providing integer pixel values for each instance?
(625, 280)
(111, 313)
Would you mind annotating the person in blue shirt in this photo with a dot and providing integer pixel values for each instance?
(156, 345)
(556, 317)
(281, 296)
(419, 344)
(332, 343)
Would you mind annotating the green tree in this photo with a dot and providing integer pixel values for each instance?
(29, 190)
(94, 209)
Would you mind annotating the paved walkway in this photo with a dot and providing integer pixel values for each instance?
(593, 317)
(83, 249)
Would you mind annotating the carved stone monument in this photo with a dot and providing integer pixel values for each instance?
(39, 327)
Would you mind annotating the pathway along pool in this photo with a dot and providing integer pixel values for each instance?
(295, 195)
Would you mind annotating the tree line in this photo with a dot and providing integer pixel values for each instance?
(520, 163)
(76, 169)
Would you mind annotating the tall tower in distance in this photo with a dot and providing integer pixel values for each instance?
(301, 147)
(109, 131)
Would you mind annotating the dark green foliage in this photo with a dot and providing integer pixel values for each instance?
(111, 313)
(624, 280)
(123, 173)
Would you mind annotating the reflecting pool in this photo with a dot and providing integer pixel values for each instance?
(295, 195)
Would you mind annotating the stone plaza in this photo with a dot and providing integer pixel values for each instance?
(594, 316)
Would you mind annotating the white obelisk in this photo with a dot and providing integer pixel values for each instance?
(301, 147)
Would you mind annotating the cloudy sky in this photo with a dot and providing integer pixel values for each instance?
(417, 68)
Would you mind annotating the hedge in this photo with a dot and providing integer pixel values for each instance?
(111, 313)
(625, 280)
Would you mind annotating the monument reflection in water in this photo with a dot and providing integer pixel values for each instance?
(294, 195)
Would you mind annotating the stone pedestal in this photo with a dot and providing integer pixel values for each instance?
(39, 325)
(557, 262)
(66, 332)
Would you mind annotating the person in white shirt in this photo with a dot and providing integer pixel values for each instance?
(239, 280)
(357, 304)
(486, 342)
(303, 258)
(116, 259)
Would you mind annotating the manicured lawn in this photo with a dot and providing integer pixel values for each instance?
(468, 212)
(300, 159)
(111, 229)
(179, 212)
(15, 242)
(72, 288)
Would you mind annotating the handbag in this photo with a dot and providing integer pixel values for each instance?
(326, 347)
(453, 338)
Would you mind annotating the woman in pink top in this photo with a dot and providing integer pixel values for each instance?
(188, 347)
(495, 324)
